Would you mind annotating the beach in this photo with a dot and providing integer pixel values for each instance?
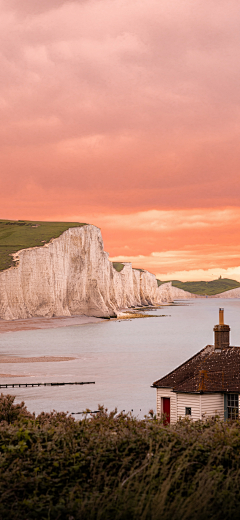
(46, 323)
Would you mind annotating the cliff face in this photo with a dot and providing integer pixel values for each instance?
(72, 275)
(233, 293)
(180, 294)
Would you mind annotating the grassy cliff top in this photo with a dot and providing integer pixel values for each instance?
(118, 266)
(205, 288)
(22, 234)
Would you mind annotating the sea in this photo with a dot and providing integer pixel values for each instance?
(123, 358)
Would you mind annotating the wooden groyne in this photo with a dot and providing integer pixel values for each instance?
(24, 385)
(86, 412)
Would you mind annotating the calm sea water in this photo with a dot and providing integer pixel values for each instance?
(123, 358)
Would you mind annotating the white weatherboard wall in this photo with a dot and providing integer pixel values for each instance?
(212, 404)
(188, 400)
(72, 275)
(202, 405)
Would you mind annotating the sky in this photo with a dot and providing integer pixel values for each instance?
(126, 114)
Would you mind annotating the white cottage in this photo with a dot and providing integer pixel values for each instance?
(208, 384)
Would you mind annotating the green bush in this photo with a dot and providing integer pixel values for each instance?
(11, 412)
(114, 466)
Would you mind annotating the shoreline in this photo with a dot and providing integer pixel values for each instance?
(55, 322)
(46, 323)
(40, 322)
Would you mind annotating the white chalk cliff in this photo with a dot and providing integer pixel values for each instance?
(232, 293)
(72, 275)
(179, 294)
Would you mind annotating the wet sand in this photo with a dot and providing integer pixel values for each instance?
(45, 323)
(40, 359)
(70, 321)
(13, 375)
(134, 315)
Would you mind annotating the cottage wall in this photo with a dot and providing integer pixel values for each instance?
(188, 400)
(167, 392)
(212, 404)
(202, 405)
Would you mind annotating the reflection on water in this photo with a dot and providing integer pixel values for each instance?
(123, 358)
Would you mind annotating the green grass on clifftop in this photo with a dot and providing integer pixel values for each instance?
(22, 234)
(118, 266)
(206, 288)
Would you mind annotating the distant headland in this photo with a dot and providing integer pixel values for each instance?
(212, 288)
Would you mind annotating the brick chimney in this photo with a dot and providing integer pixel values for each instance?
(221, 332)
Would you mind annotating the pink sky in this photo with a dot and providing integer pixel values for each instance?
(126, 115)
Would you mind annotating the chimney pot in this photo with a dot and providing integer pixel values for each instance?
(221, 332)
(221, 316)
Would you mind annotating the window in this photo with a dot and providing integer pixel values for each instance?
(188, 411)
(232, 406)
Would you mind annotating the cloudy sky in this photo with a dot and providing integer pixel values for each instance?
(126, 114)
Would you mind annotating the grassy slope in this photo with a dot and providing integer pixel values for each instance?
(21, 234)
(206, 288)
(116, 467)
(118, 266)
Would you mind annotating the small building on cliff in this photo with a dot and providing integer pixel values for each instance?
(206, 385)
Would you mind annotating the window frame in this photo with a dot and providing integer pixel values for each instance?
(232, 406)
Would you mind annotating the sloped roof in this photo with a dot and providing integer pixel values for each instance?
(209, 370)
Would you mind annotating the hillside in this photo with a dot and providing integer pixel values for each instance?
(206, 288)
(22, 234)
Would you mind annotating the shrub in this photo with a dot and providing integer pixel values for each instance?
(11, 412)
(114, 466)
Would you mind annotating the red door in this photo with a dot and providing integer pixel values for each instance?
(166, 409)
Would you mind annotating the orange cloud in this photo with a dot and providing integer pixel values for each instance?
(175, 241)
(124, 112)
(169, 220)
(185, 263)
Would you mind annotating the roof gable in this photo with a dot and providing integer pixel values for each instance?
(210, 370)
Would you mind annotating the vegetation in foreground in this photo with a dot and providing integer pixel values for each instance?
(113, 466)
(205, 288)
(21, 234)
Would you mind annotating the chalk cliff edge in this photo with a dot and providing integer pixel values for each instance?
(72, 275)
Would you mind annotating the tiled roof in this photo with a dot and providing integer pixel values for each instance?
(208, 371)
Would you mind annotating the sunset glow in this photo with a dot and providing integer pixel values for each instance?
(126, 115)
